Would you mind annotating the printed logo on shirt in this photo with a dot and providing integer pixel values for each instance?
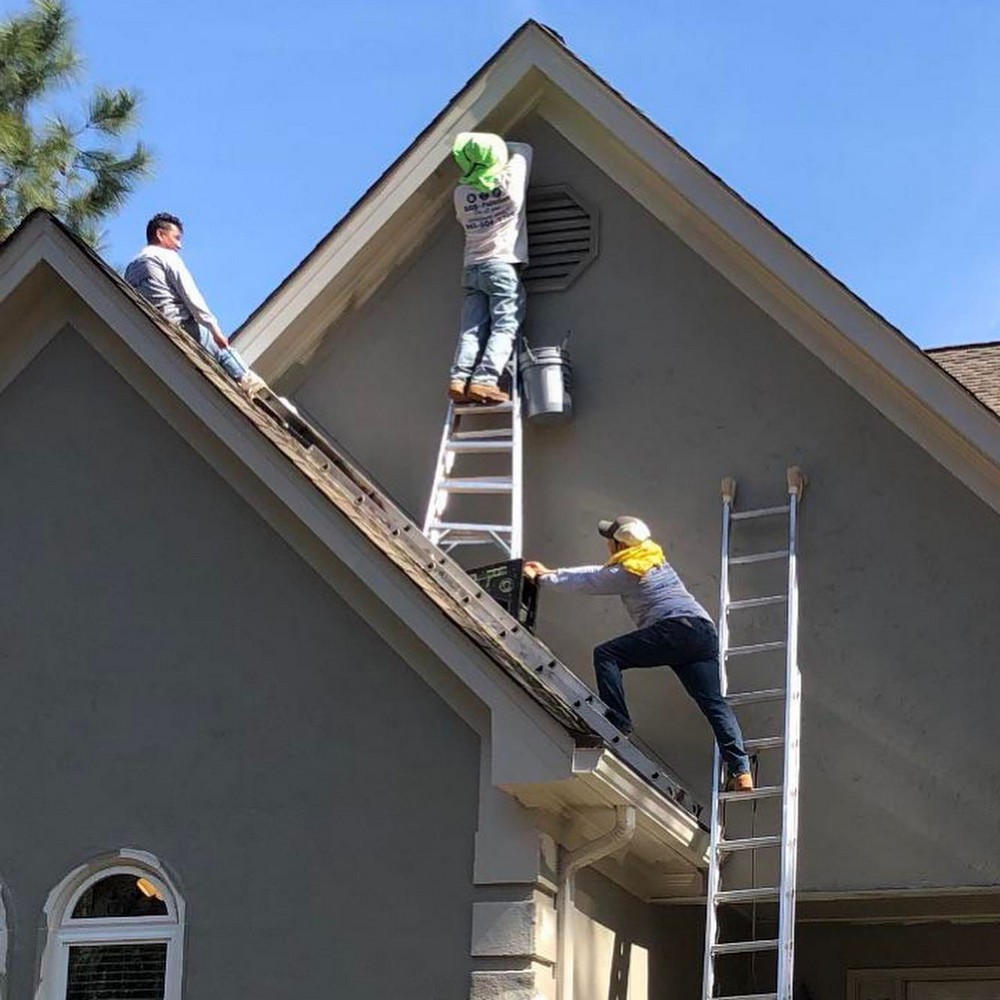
(487, 210)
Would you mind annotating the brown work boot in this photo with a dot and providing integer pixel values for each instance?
(456, 391)
(488, 395)
(740, 782)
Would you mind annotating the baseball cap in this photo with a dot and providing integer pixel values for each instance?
(625, 528)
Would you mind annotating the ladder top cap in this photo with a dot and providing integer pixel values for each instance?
(796, 481)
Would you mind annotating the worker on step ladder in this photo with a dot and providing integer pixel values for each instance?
(672, 629)
(490, 204)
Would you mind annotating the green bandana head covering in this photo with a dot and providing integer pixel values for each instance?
(481, 156)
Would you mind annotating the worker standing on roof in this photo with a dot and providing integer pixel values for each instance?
(161, 277)
(672, 629)
(490, 204)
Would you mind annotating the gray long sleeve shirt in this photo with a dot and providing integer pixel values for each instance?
(658, 593)
(162, 277)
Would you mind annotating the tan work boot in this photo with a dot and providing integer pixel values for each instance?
(488, 395)
(251, 383)
(740, 783)
(456, 391)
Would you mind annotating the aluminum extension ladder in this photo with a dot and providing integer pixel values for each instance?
(500, 436)
(780, 833)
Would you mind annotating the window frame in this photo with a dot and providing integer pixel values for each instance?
(65, 931)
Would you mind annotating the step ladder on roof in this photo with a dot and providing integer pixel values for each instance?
(775, 846)
(471, 429)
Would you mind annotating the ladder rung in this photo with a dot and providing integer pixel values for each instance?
(750, 843)
(758, 557)
(478, 484)
(739, 947)
(757, 894)
(459, 526)
(764, 792)
(500, 433)
(753, 697)
(481, 445)
(757, 647)
(469, 537)
(743, 515)
(757, 602)
(467, 408)
(764, 743)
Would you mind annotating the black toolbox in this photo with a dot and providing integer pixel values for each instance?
(506, 583)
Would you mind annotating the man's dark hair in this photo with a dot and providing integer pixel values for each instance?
(160, 221)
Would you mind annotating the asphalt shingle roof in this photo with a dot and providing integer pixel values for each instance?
(976, 366)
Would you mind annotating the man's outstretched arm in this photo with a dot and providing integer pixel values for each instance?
(581, 579)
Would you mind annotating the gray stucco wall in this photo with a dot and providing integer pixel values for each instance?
(627, 950)
(680, 380)
(174, 678)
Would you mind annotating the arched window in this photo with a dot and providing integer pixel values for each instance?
(115, 930)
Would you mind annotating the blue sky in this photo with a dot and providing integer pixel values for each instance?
(869, 132)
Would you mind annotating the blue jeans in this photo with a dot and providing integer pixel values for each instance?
(691, 647)
(492, 311)
(233, 365)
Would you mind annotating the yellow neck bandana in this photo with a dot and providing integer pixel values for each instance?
(639, 559)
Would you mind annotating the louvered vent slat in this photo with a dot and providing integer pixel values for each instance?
(575, 225)
(562, 247)
(562, 238)
(557, 213)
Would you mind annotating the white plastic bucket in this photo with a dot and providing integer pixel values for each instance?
(547, 381)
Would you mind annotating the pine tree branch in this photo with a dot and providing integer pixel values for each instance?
(45, 166)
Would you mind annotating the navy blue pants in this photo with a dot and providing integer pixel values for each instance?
(691, 647)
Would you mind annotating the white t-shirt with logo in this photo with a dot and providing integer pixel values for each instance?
(494, 221)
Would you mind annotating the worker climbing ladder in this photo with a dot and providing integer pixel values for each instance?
(777, 841)
(471, 429)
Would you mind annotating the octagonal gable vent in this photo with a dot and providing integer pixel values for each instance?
(562, 238)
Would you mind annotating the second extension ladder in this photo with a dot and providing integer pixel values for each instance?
(774, 806)
(487, 436)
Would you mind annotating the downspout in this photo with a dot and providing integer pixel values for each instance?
(571, 863)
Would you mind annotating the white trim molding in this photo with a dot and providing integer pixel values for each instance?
(64, 931)
(890, 984)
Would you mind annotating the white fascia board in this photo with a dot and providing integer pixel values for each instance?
(601, 781)
(673, 826)
(873, 357)
(21, 255)
(529, 743)
(278, 317)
